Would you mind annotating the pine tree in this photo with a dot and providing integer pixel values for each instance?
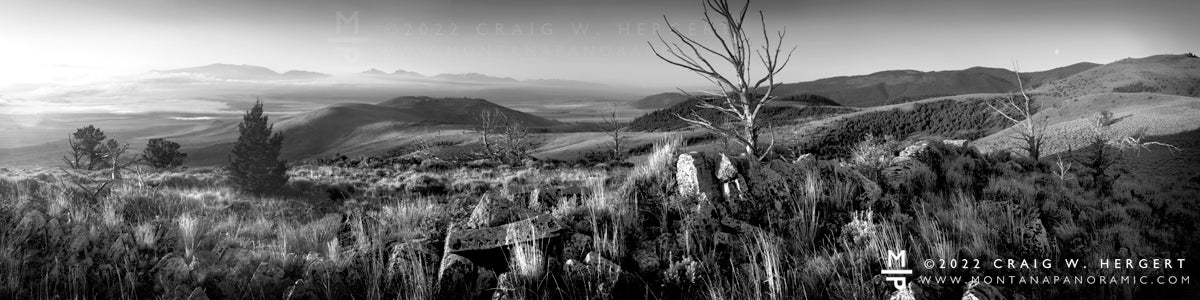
(254, 166)
(86, 143)
(163, 154)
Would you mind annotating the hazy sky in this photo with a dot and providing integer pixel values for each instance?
(531, 39)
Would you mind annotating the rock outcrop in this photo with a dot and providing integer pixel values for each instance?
(695, 176)
(524, 231)
(494, 211)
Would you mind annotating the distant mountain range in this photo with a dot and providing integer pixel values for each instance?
(228, 71)
(250, 72)
(897, 86)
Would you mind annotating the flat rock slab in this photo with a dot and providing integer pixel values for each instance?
(543, 226)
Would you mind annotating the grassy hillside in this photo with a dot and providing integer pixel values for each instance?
(961, 117)
(1163, 74)
(1069, 122)
(890, 87)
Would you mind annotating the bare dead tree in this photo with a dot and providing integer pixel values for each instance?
(516, 147)
(741, 95)
(1030, 133)
(614, 128)
(114, 152)
(491, 123)
(426, 140)
(1108, 149)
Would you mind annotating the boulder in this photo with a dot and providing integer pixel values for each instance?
(1035, 241)
(871, 189)
(538, 228)
(959, 143)
(459, 278)
(601, 264)
(695, 176)
(535, 200)
(730, 173)
(730, 168)
(912, 151)
(172, 271)
(495, 211)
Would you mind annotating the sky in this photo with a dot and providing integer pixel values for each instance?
(590, 40)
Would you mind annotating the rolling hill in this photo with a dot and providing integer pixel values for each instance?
(888, 86)
(347, 127)
(1163, 74)
(898, 86)
(657, 101)
(1164, 104)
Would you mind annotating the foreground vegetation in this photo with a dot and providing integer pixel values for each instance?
(818, 231)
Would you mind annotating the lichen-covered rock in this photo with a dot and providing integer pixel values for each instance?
(871, 190)
(171, 271)
(495, 211)
(730, 168)
(959, 143)
(1034, 240)
(535, 200)
(459, 278)
(695, 177)
(912, 151)
(537, 228)
(647, 259)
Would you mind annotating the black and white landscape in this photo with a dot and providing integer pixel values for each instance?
(540, 149)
